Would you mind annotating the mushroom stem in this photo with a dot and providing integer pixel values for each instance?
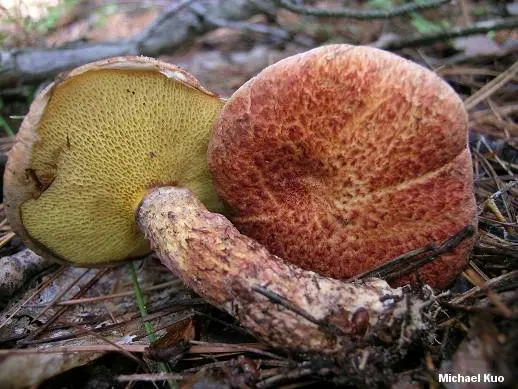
(280, 303)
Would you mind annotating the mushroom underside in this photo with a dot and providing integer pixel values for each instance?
(92, 145)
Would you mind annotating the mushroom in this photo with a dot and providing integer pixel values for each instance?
(93, 143)
(343, 157)
(95, 175)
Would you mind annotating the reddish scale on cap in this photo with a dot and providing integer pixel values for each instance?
(344, 157)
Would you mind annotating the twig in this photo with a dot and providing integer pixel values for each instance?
(263, 363)
(276, 379)
(132, 348)
(484, 163)
(408, 261)
(172, 29)
(507, 128)
(87, 300)
(63, 291)
(361, 14)
(277, 299)
(451, 33)
(466, 12)
(6, 238)
(114, 344)
(274, 32)
(99, 329)
(491, 206)
(447, 246)
(33, 335)
(159, 21)
(493, 221)
(150, 377)
(492, 86)
(199, 347)
(504, 110)
(504, 282)
(16, 308)
(498, 251)
(19, 268)
(485, 310)
(199, 10)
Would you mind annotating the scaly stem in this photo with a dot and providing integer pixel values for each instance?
(280, 303)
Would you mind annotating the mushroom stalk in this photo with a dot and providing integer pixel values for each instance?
(280, 303)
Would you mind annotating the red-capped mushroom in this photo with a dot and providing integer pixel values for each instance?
(343, 157)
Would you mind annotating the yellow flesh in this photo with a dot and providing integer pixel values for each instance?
(111, 135)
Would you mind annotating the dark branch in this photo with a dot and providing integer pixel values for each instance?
(414, 259)
(360, 14)
(200, 10)
(451, 33)
(177, 26)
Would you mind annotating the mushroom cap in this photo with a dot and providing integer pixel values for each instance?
(342, 158)
(93, 143)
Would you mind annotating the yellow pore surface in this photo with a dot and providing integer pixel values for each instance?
(106, 137)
